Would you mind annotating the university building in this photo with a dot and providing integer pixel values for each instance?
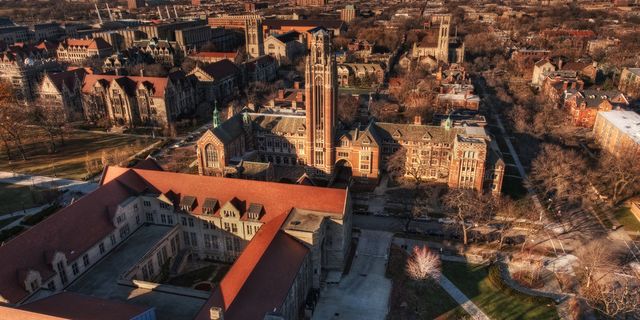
(114, 243)
(462, 156)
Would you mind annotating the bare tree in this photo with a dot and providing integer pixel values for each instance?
(423, 264)
(559, 173)
(509, 213)
(597, 257)
(13, 120)
(618, 176)
(396, 164)
(50, 117)
(614, 299)
(469, 208)
(347, 109)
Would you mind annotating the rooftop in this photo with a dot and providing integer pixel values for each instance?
(627, 122)
(102, 280)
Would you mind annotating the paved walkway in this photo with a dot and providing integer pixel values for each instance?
(363, 294)
(460, 298)
(47, 182)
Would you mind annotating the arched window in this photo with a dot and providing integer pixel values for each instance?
(211, 156)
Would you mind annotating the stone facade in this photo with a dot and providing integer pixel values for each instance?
(134, 101)
(78, 50)
(254, 39)
(459, 156)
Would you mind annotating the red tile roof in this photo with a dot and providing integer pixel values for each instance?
(84, 308)
(12, 313)
(72, 231)
(261, 278)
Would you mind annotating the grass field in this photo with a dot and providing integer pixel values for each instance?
(15, 197)
(413, 300)
(70, 159)
(496, 302)
(627, 219)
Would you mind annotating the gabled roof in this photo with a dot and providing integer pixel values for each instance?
(261, 278)
(128, 83)
(218, 70)
(71, 231)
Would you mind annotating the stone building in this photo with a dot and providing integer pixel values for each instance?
(437, 42)
(360, 74)
(64, 90)
(217, 81)
(629, 82)
(261, 69)
(348, 13)
(162, 51)
(78, 50)
(285, 47)
(460, 156)
(254, 40)
(24, 67)
(304, 3)
(138, 101)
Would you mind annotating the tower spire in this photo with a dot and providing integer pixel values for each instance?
(216, 114)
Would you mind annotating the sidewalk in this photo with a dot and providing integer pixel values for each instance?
(47, 182)
(460, 298)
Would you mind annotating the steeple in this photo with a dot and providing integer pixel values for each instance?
(216, 115)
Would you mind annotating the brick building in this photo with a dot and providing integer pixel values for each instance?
(64, 90)
(584, 105)
(24, 67)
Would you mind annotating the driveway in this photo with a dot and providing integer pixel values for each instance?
(364, 292)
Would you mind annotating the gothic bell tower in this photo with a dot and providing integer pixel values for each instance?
(320, 98)
(253, 36)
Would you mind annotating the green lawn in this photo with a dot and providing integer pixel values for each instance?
(413, 300)
(15, 197)
(627, 219)
(69, 161)
(498, 303)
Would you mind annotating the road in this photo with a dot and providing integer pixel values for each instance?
(363, 294)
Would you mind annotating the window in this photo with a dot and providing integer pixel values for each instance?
(227, 226)
(146, 203)
(184, 221)
(101, 247)
(137, 219)
(205, 224)
(149, 217)
(211, 156)
(74, 269)
(170, 219)
(194, 239)
(234, 228)
(319, 157)
(62, 272)
(159, 258)
(85, 260)
(191, 222)
(163, 218)
(185, 236)
(249, 230)
(236, 244)
(207, 241)
(228, 243)
(113, 239)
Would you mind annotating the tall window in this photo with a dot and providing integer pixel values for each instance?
(211, 155)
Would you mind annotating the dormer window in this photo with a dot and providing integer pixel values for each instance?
(187, 203)
(255, 211)
(209, 206)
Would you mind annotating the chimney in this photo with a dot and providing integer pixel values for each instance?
(281, 94)
(417, 120)
(215, 313)
(296, 84)
(142, 72)
(560, 64)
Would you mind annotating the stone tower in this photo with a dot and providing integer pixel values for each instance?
(320, 92)
(443, 36)
(253, 36)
